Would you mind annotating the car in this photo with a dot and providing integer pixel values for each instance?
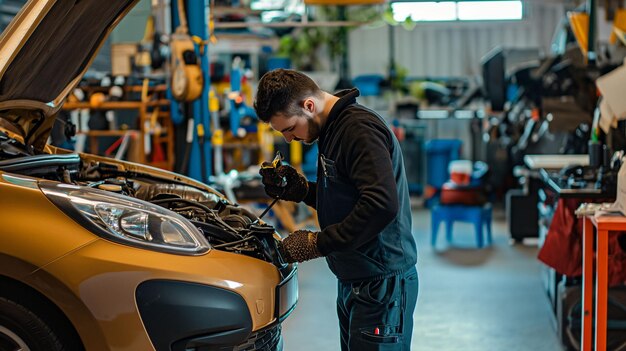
(103, 254)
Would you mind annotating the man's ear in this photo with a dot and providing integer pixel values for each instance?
(309, 105)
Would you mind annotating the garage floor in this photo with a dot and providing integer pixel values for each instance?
(470, 300)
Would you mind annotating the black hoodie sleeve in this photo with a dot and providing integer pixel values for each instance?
(366, 158)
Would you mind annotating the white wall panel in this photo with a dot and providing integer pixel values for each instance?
(451, 48)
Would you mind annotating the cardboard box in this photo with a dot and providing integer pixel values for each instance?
(122, 57)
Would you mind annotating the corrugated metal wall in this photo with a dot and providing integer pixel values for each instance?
(451, 48)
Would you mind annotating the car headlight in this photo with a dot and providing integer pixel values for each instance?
(127, 220)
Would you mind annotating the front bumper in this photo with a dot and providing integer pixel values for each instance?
(180, 316)
(113, 283)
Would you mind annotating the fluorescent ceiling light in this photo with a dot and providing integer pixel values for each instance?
(424, 11)
(260, 5)
(268, 16)
(489, 10)
(285, 7)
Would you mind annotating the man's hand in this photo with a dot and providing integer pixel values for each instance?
(300, 246)
(273, 179)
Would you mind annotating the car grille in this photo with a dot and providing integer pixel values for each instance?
(264, 340)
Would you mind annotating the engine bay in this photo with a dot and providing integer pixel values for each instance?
(226, 226)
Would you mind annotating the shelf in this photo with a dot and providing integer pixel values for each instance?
(128, 88)
(115, 105)
(288, 24)
(225, 10)
(145, 112)
(103, 133)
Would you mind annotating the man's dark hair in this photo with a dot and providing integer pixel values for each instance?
(280, 92)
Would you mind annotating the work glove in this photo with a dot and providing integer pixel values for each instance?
(284, 182)
(299, 246)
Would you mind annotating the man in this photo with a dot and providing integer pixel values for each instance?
(362, 201)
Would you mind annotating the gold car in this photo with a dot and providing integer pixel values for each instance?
(99, 254)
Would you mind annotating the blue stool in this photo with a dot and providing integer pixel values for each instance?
(480, 216)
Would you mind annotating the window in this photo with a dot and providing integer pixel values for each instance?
(262, 5)
(489, 10)
(424, 11)
(457, 10)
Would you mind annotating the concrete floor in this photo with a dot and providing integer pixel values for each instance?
(470, 300)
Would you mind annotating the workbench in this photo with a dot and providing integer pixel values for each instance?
(559, 187)
(544, 186)
(598, 322)
(539, 171)
(555, 162)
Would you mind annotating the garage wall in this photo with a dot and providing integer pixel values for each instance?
(451, 49)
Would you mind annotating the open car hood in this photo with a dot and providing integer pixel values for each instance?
(44, 52)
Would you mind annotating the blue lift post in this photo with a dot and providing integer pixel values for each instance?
(239, 109)
(197, 18)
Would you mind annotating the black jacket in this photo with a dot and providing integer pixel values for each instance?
(361, 196)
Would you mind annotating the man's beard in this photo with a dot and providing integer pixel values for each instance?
(314, 132)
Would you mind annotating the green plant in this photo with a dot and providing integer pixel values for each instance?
(397, 77)
(387, 16)
(304, 45)
(301, 47)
